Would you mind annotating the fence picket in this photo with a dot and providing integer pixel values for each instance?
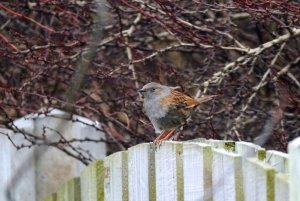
(294, 169)
(116, 179)
(226, 176)
(168, 169)
(259, 180)
(247, 149)
(278, 160)
(191, 171)
(197, 161)
(69, 191)
(141, 178)
(52, 197)
(92, 182)
(282, 187)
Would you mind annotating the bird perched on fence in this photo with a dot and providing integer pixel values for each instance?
(167, 108)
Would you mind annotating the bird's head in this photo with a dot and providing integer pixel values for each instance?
(154, 90)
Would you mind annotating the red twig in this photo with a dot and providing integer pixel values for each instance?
(169, 25)
(9, 43)
(27, 18)
(69, 14)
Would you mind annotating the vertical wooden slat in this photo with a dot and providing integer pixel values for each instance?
(168, 168)
(282, 187)
(125, 176)
(151, 173)
(70, 191)
(259, 180)
(52, 197)
(249, 150)
(116, 181)
(246, 149)
(140, 181)
(226, 176)
(294, 169)
(278, 160)
(179, 171)
(197, 161)
(92, 182)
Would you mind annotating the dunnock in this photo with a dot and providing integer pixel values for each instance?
(167, 108)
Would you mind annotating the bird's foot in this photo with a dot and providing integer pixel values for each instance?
(157, 143)
(164, 136)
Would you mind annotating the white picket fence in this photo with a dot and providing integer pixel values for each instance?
(200, 170)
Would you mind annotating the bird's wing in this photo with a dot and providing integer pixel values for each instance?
(179, 101)
(180, 107)
(182, 103)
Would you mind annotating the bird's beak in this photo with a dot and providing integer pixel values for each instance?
(141, 90)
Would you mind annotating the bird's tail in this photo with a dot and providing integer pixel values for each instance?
(206, 98)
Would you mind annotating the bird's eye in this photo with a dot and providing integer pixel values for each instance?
(152, 90)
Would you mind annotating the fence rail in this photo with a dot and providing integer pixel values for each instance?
(192, 171)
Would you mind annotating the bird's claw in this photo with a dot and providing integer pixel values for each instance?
(157, 143)
(164, 136)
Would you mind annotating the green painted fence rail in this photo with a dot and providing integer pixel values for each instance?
(198, 170)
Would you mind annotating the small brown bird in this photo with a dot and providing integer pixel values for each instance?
(167, 108)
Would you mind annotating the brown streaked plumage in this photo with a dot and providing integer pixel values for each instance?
(167, 108)
(176, 97)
